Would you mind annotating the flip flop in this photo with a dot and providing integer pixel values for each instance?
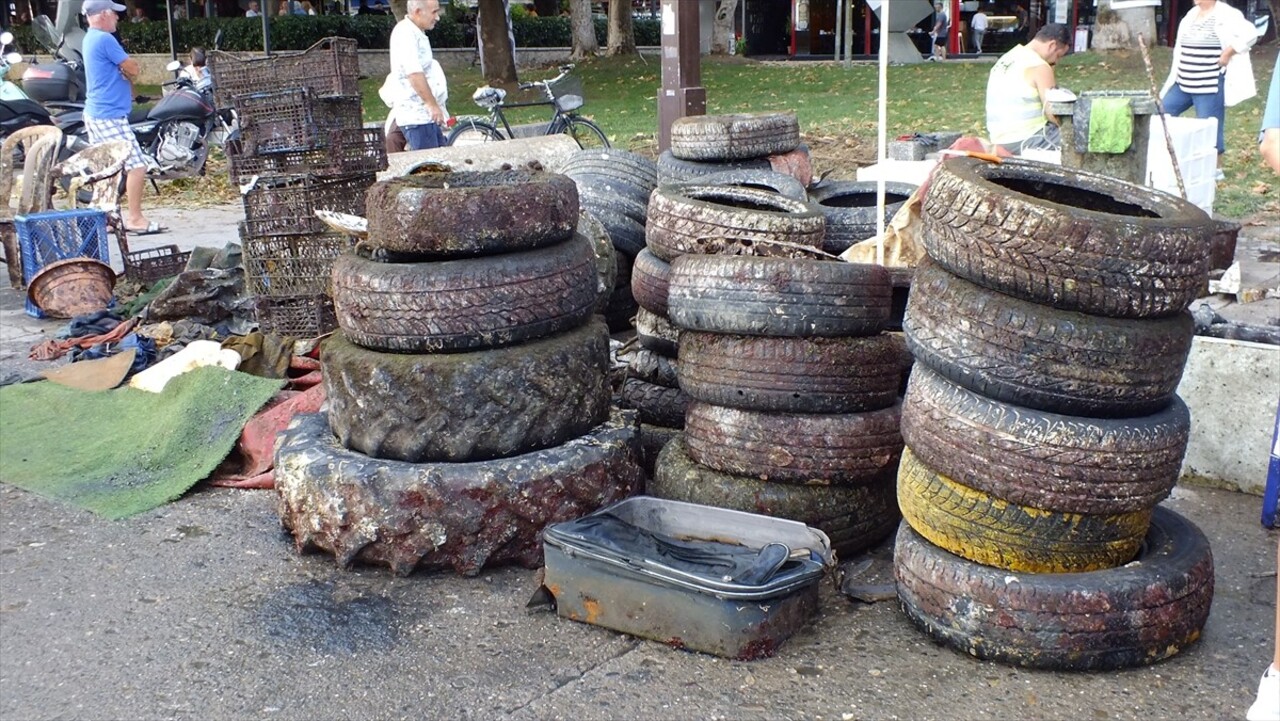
(153, 228)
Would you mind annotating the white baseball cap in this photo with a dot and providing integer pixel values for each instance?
(93, 7)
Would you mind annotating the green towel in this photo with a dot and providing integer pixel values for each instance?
(1110, 125)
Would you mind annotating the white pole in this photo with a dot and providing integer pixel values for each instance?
(848, 37)
(882, 119)
(839, 34)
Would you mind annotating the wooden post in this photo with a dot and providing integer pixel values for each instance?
(681, 93)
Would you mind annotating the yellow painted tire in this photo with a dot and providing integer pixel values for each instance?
(984, 529)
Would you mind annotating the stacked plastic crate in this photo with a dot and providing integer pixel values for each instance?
(302, 148)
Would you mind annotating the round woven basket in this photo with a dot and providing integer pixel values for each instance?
(72, 287)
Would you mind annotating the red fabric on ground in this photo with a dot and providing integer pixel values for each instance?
(51, 349)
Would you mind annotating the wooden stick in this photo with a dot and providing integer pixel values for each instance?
(1164, 122)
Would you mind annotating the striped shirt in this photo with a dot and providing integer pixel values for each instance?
(1198, 69)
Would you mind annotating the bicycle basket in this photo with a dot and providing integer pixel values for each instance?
(567, 93)
(488, 97)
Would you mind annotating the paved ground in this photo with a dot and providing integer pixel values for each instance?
(202, 609)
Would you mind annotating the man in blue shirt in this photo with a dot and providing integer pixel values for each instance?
(109, 74)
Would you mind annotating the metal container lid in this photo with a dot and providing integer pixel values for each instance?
(716, 551)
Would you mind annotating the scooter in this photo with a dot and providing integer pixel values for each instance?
(17, 111)
(59, 83)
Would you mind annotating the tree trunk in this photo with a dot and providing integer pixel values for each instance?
(546, 8)
(399, 8)
(722, 29)
(496, 41)
(585, 44)
(622, 34)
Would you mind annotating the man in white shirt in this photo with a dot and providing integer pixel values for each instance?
(979, 27)
(416, 87)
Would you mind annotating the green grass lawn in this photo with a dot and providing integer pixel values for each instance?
(835, 104)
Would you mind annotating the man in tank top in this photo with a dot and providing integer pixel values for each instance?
(1016, 88)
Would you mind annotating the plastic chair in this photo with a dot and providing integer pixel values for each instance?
(40, 144)
(99, 167)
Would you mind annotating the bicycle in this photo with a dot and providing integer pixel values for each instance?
(563, 93)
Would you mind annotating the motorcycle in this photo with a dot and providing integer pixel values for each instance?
(17, 111)
(175, 134)
(59, 83)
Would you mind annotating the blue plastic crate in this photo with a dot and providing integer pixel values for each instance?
(45, 238)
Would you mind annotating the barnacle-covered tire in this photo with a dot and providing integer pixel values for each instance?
(769, 180)
(1040, 357)
(791, 375)
(606, 257)
(463, 516)
(815, 449)
(736, 136)
(651, 367)
(730, 220)
(853, 517)
(450, 214)
(649, 278)
(624, 166)
(468, 303)
(1135, 615)
(467, 406)
(1063, 463)
(656, 333)
(993, 532)
(778, 296)
(626, 234)
(1067, 238)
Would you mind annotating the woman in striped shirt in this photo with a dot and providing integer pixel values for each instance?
(1211, 69)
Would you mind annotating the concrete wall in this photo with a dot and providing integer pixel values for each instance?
(1231, 388)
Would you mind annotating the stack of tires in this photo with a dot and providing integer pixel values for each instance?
(703, 145)
(791, 387)
(696, 219)
(1050, 330)
(614, 187)
(468, 396)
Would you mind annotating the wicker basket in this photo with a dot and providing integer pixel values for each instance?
(300, 316)
(330, 67)
(292, 119)
(339, 152)
(291, 265)
(286, 205)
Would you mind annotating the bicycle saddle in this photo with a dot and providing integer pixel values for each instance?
(487, 97)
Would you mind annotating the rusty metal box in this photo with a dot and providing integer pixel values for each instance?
(706, 579)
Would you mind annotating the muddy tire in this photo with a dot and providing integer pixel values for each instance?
(791, 375)
(768, 180)
(623, 166)
(651, 367)
(658, 405)
(1066, 238)
(600, 199)
(778, 296)
(656, 333)
(727, 220)
(1067, 464)
(469, 214)
(1040, 357)
(627, 235)
(622, 307)
(734, 137)
(463, 516)
(467, 406)
(652, 440)
(465, 304)
(853, 517)
(1135, 615)
(814, 449)
(650, 276)
(993, 532)
(850, 210)
(606, 257)
(674, 170)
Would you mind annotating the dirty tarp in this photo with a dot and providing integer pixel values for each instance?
(121, 452)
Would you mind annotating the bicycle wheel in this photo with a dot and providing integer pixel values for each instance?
(586, 133)
(471, 132)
